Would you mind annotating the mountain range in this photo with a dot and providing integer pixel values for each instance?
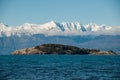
(71, 33)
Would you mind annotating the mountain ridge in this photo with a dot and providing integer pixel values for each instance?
(103, 42)
(89, 36)
(54, 28)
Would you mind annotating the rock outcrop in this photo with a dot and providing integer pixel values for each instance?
(59, 49)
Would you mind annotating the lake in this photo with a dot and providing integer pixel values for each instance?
(59, 67)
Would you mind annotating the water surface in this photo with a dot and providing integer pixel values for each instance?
(59, 67)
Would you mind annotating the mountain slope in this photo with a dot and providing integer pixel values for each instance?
(53, 28)
(9, 44)
(76, 34)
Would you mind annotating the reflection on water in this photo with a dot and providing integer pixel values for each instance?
(59, 67)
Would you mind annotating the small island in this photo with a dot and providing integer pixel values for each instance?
(61, 49)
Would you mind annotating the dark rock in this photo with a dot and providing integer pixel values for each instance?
(59, 49)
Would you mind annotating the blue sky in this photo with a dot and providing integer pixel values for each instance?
(17, 12)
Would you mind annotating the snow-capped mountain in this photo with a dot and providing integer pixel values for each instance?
(29, 35)
(53, 28)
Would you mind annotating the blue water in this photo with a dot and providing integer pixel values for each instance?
(59, 67)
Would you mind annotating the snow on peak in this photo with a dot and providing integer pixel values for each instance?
(26, 25)
(52, 22)
(54, 28)
(50, 26)
(92, 27)
(2, 26)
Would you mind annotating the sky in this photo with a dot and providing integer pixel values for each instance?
(18, 12)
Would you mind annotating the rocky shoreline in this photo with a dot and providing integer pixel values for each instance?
(61, 49)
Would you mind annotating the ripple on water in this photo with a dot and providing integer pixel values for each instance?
(59, 67)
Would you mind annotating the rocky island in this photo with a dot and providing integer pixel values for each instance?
(60, 49)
